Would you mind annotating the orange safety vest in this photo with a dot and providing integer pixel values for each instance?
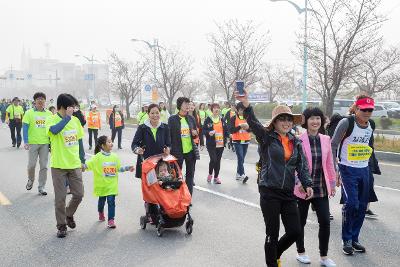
(241, 135)
(94, 121)
(117, 120)
(196, 140)
(219, 134)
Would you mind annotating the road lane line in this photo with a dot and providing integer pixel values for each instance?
(388, 188)
(4, 200)
(235, 199)
(388, 164)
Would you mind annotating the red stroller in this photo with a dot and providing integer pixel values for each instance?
(167, 205)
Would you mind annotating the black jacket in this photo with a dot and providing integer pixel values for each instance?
(174, 124)
(111, 120)
(80, 116)
(144, 138)
(276, 173)
(209, 126)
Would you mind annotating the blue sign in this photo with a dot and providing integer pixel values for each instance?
(147, 88)
(89, 77)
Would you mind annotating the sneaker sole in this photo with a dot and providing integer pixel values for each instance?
(347, 253)
(359, 251)
(111, 226)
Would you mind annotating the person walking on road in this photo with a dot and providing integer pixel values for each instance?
(182, 128)
(143, 115)
(66, 161)
(282, 156)
(164, 113)
(151, 138)
(215, 131)
(36, 141)
(318, 152)
(240, 136)
(14, 116)
(199, 140)
(117, 124)
(94, 124)
(351, 143)
(105, 166)
(3, 108)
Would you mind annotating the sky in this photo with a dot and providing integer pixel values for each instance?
(89, 27)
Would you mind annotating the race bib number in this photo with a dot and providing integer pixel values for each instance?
(358, 152)
(109, 169)
(219, 140)
(185, 132)
(117, 118)
(94, 119)
(40, 122)
(70, 138)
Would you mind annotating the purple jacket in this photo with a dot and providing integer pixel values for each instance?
(327, 162)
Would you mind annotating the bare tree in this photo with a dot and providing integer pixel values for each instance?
(379, 71)
(340, 32)
(173, 73)
(212, 91)
(193, 87)
(237, 53)
(127, 78)
(277, 80)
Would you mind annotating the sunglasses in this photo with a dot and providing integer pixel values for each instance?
(367, 109)
(282, 118)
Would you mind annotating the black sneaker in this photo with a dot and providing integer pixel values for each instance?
(70, 222)
(90, 147)
(29, 185)
(62, 231)
(369, 214)
(358, 247)
(13, 145)
(42, 192)
(348, 248)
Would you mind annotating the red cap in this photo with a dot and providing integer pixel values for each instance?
(364, 103)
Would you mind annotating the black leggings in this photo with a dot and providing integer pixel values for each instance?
(321, 205)
(114, 133)
(274, 204)
(93, 132)
(215, 160)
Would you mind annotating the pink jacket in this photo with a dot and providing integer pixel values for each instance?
(327, 162)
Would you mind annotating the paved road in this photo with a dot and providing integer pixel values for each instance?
(228, 229)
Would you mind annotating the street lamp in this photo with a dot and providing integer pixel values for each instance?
(301, 10)
(91, 60)
(153, 47)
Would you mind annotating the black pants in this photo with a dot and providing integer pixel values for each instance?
(215, 160)
(15, 126)
(114, 133)
(321, 205)
(93, 132)
(274, 204)
(190, 163)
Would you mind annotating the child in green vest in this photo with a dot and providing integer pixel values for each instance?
(105, 166)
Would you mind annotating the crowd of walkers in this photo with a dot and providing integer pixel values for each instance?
(295, 171)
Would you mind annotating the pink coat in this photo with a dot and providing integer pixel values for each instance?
(327, 162)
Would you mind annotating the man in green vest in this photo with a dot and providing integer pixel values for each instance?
(14, 115)
(36, 141)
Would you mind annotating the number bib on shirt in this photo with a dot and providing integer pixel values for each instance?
(109, 169)
(70, 138)
(219, 140)
(40, 122)
(358, 152)
(185, 132)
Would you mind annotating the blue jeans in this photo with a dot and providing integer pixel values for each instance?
(241, 151)
(111, 205)
(355, 186)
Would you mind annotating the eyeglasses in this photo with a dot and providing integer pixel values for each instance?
(367, 110)
(283, 118)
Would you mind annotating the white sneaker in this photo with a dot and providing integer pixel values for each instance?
(238, 177)
(328, 263)
(303, 259)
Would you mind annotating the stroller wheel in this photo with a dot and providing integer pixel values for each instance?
(189, 227)
(160, 231)
(143, 222)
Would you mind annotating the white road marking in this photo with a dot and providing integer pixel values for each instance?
(388, 164)
(4, 200)
(388, 188)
